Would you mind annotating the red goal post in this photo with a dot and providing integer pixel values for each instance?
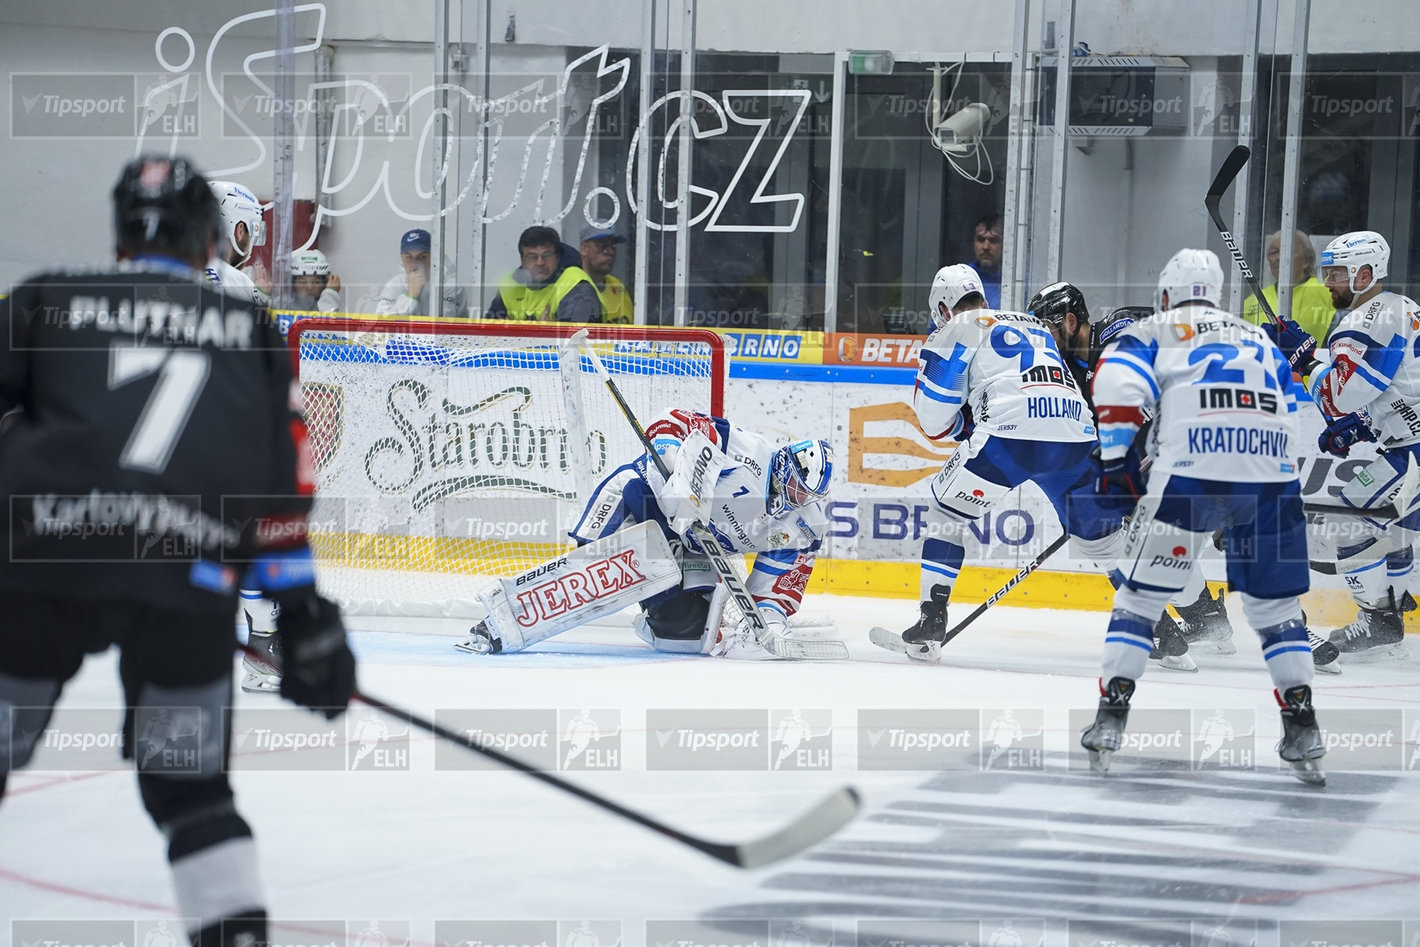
(451, 452)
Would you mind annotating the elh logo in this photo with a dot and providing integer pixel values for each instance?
(588, 739)
(801, 739)
(1224, 739)
(374, 743)
(1012, 739)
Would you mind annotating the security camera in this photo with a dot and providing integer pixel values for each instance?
(960, 130)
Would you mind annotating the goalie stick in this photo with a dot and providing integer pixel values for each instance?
(811, 827)
(892, 641)
(808, 650)
(1229, 170)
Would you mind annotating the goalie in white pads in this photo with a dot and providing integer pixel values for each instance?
(638, 543)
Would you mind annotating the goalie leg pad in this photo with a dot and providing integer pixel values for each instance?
(592, 581)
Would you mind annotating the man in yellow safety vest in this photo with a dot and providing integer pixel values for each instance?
(549, 286)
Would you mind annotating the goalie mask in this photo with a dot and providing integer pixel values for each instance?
(799, 474)
(1355, 250)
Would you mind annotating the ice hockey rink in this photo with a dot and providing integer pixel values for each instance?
(998, 834)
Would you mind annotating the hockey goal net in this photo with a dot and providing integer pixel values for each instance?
(448, 453)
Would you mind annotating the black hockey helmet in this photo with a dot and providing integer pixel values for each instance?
(1052, 302)
(163, 204)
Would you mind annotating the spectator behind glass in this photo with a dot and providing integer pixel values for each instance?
(314, 288)
(986, 247)
(407, 293)
(550, 286)
(1311, 301)
(598, 246)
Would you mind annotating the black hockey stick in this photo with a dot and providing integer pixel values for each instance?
(892, 641)
(810, 828)
(1011, 583)
(1233, 164)
(813, 650)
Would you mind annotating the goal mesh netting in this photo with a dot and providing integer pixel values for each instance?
(448, 454)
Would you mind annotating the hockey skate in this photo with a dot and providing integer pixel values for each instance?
(1301, 743)
(1106, 734)
(923, 641)
(481, 640)
(1324, 654)
(1170, 647)
(1206, 620)
(259, 678)
(1378, 633)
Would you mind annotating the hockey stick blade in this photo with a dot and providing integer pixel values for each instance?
(807, 830)
(1227, 173)
(884, 638)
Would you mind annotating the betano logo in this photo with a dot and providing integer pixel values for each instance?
(903, 451)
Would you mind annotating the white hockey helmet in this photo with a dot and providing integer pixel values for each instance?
(239, 206)
(1190, 276)
(801, 472)
(309, 263)
(1357, 249)
(950, 286)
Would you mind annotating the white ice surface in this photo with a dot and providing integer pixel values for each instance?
(1147, 850)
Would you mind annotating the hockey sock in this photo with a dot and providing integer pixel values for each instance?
(1127, 645)
(1288, 654)
(941, 563)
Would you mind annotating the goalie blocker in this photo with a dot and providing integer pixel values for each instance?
(589, 582)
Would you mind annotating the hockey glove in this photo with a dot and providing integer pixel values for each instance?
(743, 644)
(967, 422)
(1343, 432)
(1120, 476)
(1295, 343)
(318, 668)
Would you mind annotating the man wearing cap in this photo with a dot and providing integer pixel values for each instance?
(598, 246)
(407, 293)
(549, 286)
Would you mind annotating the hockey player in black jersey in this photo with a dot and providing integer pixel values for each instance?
(158, 459)
(1081, 339)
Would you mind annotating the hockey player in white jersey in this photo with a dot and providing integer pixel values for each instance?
(1081, 340)
(1224, 456)
(638, 544)
(997, 383)
(242, 231)
(1367, 384)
